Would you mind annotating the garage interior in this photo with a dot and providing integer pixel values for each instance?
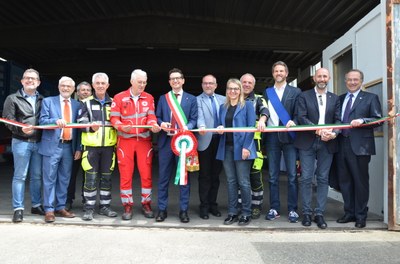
(226, 38)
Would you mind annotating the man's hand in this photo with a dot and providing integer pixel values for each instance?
(28, 130)
(202, 130)
(77, 155)
(220, 132)
(165, 126)
(61, 123)
(290, 123)
(261, 123)
(356, 122)
(155, 128)
(245, 153)
(95, 126)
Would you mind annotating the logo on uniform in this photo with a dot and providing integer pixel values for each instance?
(144, 103)
(113, 104)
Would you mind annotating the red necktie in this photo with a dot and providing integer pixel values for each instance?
(67, 117)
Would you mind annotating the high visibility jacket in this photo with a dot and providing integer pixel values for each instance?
(124, 111)
(92, 110)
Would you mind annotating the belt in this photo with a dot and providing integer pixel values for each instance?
(63, 141)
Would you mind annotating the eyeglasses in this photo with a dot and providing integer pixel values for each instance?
(30, 78)
(208, 83)
(233, 89)
(66, 86)
(175, 78)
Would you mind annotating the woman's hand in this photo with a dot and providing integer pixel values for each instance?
(245, 153)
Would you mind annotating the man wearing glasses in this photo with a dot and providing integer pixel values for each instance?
(317, 106)
(208, 104)
(167, 159)
(24, 107)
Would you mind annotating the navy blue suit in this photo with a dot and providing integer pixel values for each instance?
(166, 158)
(354, 155)
(57, 156)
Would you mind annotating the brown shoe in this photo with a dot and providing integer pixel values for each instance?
(49, 217)
(65, 213)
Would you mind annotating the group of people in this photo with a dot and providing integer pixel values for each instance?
(120, 130)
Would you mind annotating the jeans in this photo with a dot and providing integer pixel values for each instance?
(274, 149)
(318, 152)
(237, 175)
(26, 159)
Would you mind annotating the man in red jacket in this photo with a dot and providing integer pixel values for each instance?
(129, 108)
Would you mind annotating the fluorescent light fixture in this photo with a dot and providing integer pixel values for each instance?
(1, 59)
(288, 51)
(193, 49)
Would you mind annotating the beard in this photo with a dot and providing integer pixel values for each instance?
(321, 85)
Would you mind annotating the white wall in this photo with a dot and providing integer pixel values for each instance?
(367, 41)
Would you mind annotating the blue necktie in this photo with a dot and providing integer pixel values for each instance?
(346, 114)
(214, 108)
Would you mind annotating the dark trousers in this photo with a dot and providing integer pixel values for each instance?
(167, 167)
(98, 164)
(210, 168)
(353, 179)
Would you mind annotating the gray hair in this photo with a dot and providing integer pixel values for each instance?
(66, 78)
(78, 87)
(138, 73)
(101, 75)
(250, 75)
(32, 70)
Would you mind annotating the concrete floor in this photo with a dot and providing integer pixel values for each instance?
(333, 211)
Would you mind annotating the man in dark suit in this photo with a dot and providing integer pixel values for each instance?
(281, 99)
(208, 104)
(59, 148)
(167, 159)
(316, 106)
(356, 145)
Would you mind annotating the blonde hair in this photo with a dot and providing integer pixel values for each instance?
(241, 101)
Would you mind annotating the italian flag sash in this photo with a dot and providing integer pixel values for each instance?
(183, 144)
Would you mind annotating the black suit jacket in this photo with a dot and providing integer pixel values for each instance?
(289, 100)
(307, 113)
(367, 107)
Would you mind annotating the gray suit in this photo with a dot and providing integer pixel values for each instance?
(205, 117)
(210, 167)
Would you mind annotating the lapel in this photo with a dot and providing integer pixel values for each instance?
(285, 94)
(357, 101)
(237, 110)
(58, 105)
(207, 102)
(329, 104)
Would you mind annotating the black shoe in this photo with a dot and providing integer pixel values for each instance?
(346, 219)
(231, 219)
(360, 223)
(38, 210)
(244, 220)
(319, 219)
(214, 211)
(204, 213)
(161, 216)
(306, 220)
(183, 215)
(18, 216)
